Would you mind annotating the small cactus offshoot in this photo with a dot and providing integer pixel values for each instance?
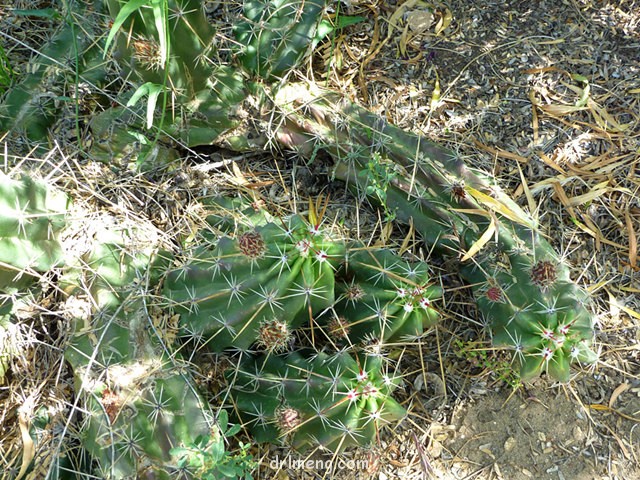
(383, 296)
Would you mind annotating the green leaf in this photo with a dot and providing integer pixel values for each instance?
(344, 21)
(161, 22)
(233, 430)
(223, 420)
(41, 13)
(123, 14)
(152, 90)
(228, 471)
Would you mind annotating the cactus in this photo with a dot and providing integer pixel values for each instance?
(256, 287)
(139, 402)
(34, 103)
(382, 297)
(275, 35)
(198, 98)
(334, 401)
(522, 286)
(32, 215)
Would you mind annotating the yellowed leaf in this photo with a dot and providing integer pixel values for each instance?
(435, 96)
(481, 242)
(527, 192)
(397, 15)
(28, 447)
(604, 120)
(518, 217)
(560, 109)
(444, 21)
(587, 197)
(630, 312)
(620, 389)
(633, 244)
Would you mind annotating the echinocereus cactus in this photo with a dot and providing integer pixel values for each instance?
(138, 400)
(382, 297)
(325, 400)
(523, 287)
(256, 287)
(32, 214)
(274, 35)
(35, 101)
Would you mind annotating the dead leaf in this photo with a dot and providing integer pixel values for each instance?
(419, 21)
(620, 389)
(481, 242)
(633, 244)
(28, 447)
(516, 216)
(444, 22)
(560, 109)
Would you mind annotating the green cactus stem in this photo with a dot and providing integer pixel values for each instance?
(32, 214)
(256, 287)
(138, 400)
(334, 401)
(33, 104)
(383, 297)
(275, 35)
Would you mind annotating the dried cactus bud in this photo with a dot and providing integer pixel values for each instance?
(274, 335)
(544, 274)
(287, 419)
(252, 245)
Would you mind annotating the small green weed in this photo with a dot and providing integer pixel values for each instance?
(475, 353)
(6, 72)
(208, 459)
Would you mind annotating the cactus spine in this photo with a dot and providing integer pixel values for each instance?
(139, 401)
(257, 286)
(383, 297)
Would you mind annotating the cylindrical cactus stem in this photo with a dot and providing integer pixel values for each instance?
(522, 285)
(256, 287)
(137, 401)
(31, 107)
(32, 214)
(333, 401)
(383, 297)
(276, 34)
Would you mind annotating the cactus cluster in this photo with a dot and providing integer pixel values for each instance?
(138, 400)
(523, 288)
(259, 285)
(279, 291)
(268, 284)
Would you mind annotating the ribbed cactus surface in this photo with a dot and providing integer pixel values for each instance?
(383, 297)
(139, 401)
(256, 287)
(274, 35)
(334, 400)
(32, 214)
(523, 287)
